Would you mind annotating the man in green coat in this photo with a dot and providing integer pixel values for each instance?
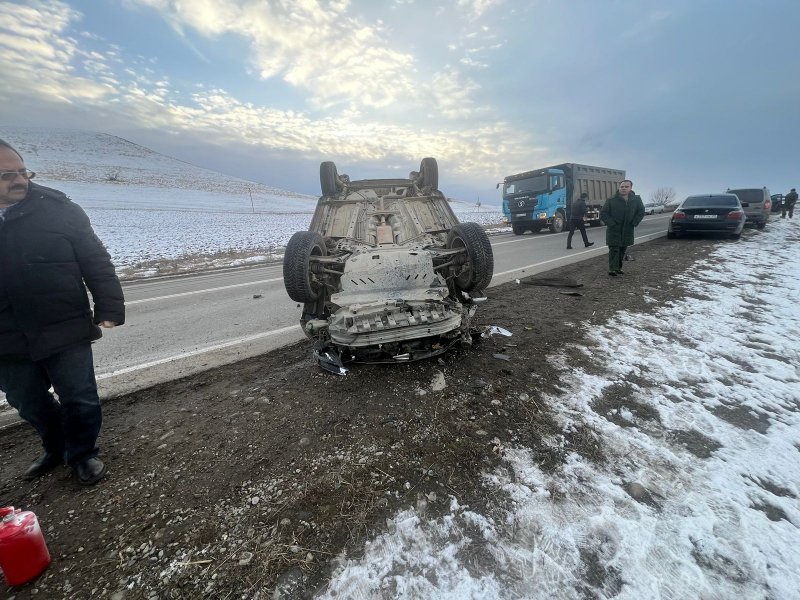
(621, 213)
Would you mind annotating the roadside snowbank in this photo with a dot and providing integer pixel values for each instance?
(698, 414)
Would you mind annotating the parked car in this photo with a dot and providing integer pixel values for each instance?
(757, 205)
(709, 213)
(386, 272)
(653, 208)
(777, 202)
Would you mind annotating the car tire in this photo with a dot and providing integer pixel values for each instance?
(328, 178)
(476, 274)
(517, 228)
(297, 267)
(429, 173)
(761, 225)
(671, 235)
(557, 224)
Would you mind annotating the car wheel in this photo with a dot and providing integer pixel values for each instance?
(517, 228)
(328, 178)
(429, 173)
(671, 235)
(297, 275)
(557, 225)
(761, 225)
(477, 270)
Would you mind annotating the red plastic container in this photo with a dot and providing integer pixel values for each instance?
(23, 553)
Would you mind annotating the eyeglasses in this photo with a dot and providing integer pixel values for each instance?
(12, 175)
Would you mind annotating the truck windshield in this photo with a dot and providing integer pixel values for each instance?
(530, 184)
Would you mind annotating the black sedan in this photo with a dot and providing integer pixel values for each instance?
(710, 213)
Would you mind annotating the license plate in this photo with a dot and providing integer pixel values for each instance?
(519, 214)
(705, 216)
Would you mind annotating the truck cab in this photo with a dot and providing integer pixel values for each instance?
(535, 200)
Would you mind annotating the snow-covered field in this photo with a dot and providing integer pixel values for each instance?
(699, 495)
(147, 207)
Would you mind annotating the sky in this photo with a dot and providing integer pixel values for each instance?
(694, 95)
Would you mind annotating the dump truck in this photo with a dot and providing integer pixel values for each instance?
(542, 198)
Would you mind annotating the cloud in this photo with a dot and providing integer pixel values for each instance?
(99, 88)
(314, 45)
(476, 8)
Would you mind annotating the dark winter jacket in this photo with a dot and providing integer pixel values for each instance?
(621, 217)
(790, 198)
(48, 251)
(578, 210)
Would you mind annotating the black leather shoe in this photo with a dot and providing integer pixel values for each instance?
(612, 273)
(620, 272)
(44, 464)
(569, 247)
(590, 244)
(89, 471)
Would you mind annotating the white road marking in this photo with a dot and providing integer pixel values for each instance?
(220, 346)
(215, 289)
(601, 249)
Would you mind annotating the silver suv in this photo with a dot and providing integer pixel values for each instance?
(756, 203)
(386, 273)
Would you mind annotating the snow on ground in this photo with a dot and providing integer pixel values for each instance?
(699, 495)
(149, 207)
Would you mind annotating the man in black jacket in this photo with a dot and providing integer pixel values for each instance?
(576, 220)
(49, 254)
(789, 201)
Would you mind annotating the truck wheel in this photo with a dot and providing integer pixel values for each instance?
(517, 228)
(328, 178)
(557, 225)
(476, 272)
(429, 173)
(297, 276)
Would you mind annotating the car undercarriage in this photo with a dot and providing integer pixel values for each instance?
(386, 273)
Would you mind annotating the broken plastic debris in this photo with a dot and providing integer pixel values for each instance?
(493, 329)
(505, 357)
(330, 362)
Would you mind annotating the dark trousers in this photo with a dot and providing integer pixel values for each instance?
(616, 254)
(577, 223)
(70, 425)
(789, 209)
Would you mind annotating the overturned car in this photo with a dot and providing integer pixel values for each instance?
(386, 273)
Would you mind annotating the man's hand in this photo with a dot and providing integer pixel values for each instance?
(107, 324)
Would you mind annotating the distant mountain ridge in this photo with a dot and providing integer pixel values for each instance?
(90, 157)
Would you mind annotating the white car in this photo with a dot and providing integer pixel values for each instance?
(651, 208)
(386, 273)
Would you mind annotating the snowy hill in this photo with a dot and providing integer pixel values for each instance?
(77, 161)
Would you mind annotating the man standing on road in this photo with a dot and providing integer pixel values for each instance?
(49, 254)
(577, 213)
(788, 204)
(621, 213)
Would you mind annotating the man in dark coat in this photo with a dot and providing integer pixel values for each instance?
(49, 254)
(576, 220)
(788, 204)
(621, 213)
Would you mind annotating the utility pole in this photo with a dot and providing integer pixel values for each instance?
(252, 205)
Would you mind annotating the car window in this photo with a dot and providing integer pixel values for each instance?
(710, 201)
(750, 196)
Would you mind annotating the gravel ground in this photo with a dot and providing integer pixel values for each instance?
(248, 481)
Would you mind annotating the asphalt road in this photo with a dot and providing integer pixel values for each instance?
(182, 325)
